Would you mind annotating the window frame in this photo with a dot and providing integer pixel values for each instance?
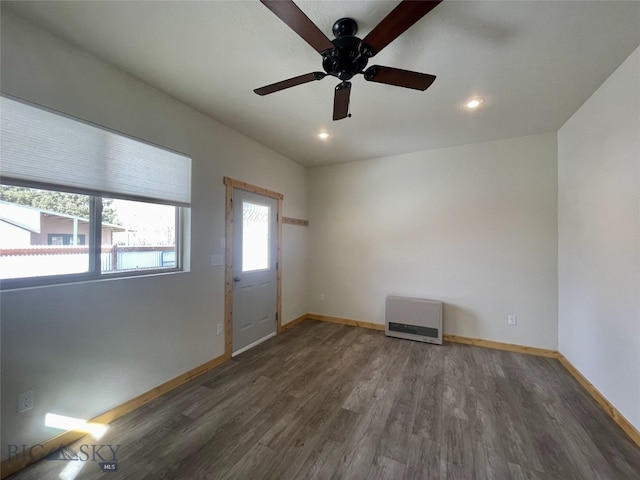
(94, 272)
(65, 236)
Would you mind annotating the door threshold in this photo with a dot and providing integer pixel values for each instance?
(251, 345)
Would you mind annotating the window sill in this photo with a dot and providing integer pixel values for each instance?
(81, 278)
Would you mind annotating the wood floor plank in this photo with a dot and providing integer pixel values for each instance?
(423, 459)
(362, 445)
(489, 457)
(520, 473)
(253, 463)
(456, 444)
(514, 428)
(323, 448)
(327, 401)
(394, 442)
(430, 408)
(384, 468)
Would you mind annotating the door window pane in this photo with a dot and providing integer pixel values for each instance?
(43, 232)
(255, 236)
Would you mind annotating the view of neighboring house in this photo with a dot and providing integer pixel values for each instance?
(23, 226)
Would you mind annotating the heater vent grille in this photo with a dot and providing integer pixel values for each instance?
(414, 319)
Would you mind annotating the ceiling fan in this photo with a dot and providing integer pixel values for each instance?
(347, 55)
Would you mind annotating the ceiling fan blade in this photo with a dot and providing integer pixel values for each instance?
(398, 21)
(291, 82)
(341, 101)
(398, 77)
(290, 13)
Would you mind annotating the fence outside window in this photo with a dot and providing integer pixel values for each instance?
(39, 260)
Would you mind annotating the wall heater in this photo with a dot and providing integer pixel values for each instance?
(414, 319)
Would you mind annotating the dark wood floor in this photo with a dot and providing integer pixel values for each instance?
(335, 402)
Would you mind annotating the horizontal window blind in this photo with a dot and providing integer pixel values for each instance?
(40, 146)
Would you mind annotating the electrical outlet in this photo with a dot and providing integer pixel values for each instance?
(25, 401)
(219, 329)
(512, 320)
(322, 297)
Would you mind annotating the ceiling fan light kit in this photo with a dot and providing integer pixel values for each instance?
(347, 55)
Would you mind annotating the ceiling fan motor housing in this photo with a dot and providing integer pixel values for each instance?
(348, 58)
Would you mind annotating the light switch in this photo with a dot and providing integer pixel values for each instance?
(217, 260)
(223, 242)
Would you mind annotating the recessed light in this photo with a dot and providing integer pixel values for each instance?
(474, 103)
(323, 135)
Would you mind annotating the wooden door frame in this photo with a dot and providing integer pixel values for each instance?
(228, 270)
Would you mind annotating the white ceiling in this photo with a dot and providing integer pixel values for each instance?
(534, 63)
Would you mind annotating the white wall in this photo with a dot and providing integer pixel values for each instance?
(474, 226)
(599, 239)
(85, 348)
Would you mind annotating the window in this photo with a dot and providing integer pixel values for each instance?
(37, 231)
(80, 202)
(255, 236)
(147, 242)
(65, 239)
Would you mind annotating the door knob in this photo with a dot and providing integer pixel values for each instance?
(236, 279)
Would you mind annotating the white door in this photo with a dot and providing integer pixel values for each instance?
(255, 276)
